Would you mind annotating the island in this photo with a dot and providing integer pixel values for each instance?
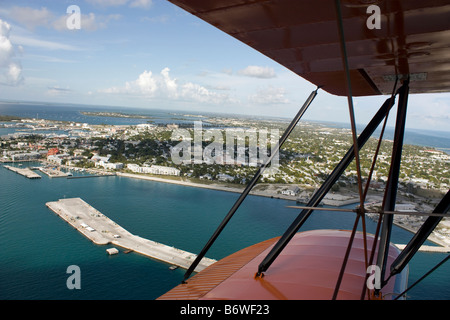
(114, 114)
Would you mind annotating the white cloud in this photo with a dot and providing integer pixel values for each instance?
(163, 86)
(14, 73)
(141, 4)
(45, 44)
(10, 70)
(269, 95)
(57, 91)
(195, 92)
(145, 84)
(115, 3)
(88, 22)
(430, 111)
(170, 85)
(108, 3)
(258, 72)
(31, 18)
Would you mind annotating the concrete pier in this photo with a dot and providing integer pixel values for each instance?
(26, 172)
(101, 230)
(425, 248)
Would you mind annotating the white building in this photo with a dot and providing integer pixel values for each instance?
(144, 127)
(224, 177)
(25, 156)
(54, 159)
(57, 158)
(164, 170)
(109, 165)
(97, 158)
(154, 169)
(291, 191)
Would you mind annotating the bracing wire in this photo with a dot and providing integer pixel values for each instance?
(355, 142)
(423, 277)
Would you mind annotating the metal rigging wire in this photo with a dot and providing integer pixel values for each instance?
(356, 149)
(423, 277)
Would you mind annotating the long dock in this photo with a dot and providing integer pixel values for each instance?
(101, 230)
(425, 248)
(26, 172)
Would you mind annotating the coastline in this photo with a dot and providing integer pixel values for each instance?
(261, 190)
(218, 187)
(179, 182)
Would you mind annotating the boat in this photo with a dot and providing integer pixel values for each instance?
(349, 48)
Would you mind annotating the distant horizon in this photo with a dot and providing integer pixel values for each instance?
(221, 113)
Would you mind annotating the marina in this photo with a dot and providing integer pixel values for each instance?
(103, 231)
(53, 172)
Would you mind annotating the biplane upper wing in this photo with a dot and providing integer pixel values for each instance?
(413, 39)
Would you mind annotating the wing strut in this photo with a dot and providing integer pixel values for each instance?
(326, 186)
(419, 238)
(251, 184)
(390, 194)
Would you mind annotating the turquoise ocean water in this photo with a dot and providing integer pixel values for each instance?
(36, 246)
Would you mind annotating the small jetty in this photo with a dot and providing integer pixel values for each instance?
(101, 230)
(26, 172)
(112, 251)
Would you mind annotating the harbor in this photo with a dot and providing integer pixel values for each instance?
(103, 231)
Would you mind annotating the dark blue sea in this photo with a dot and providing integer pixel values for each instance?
(37, 247)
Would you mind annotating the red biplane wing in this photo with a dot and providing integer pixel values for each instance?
(413, 39)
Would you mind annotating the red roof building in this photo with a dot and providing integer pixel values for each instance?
(52, 151)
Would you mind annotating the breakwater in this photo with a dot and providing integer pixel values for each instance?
(102, 231)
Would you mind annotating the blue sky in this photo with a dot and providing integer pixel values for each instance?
(152, 54)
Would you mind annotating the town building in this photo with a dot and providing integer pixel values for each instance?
(154, 169)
